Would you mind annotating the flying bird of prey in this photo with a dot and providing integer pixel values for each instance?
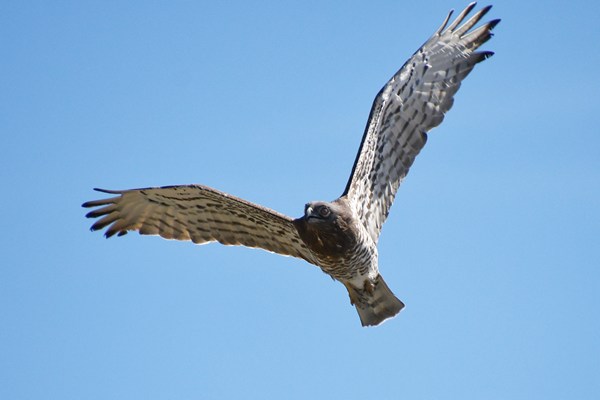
(339, 236)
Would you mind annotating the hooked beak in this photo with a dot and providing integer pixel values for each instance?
(309, 213)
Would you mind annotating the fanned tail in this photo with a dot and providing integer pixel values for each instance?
(375, 303)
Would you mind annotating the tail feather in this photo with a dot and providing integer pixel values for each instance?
(375, 302)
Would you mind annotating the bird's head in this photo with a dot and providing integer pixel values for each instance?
(327, 228)
(323, 213)
(320, 212)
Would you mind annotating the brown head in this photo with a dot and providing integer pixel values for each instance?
(327, 228)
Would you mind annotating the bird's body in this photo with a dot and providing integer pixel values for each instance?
(338, 241)
(339, 236)
(345, 251)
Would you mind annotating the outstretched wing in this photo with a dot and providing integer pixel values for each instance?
(410, 104)
(197, 213)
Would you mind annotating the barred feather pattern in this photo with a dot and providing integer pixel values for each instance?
(407, 107)
(357, 264)
(200, 214)
(340, 236)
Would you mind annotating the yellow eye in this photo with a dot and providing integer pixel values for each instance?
(324, 211)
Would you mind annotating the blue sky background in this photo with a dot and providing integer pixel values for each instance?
(493, 242)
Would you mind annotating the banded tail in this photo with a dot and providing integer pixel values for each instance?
(375, 303)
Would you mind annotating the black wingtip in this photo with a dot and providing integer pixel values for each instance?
(96, 227)
(109, 233)
(480, 56)
(492, 24)
(485, 9)
(91, 214)
(108, 191)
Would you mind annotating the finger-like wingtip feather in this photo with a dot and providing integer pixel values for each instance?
(462, 16)
(117, 228)
(109, 233)
(479, 56)
(102, 202)
(492, 24)
(472, 21)
(109, 191)
(443, 26)
(97, 203)
(105, 221)
(480, 35)
(101, 211)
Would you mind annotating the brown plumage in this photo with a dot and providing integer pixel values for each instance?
(340, 236)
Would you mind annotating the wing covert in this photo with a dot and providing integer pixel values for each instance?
(197, 213)
(411, 103)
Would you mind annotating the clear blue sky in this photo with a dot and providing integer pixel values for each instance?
(493, 242)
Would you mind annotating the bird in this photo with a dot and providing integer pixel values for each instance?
(338, 236)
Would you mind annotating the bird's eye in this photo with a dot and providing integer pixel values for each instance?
(324, 212)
